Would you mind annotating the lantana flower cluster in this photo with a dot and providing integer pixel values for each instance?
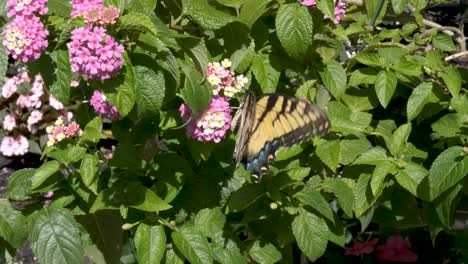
(213, 124)
(59, 131)
(93, 53)
(103, 106)
(340, 9)
(25, 37)
(27, 109)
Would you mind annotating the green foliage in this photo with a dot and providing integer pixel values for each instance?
(139, 190)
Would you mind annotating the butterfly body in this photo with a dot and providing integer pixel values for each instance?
(270, 122)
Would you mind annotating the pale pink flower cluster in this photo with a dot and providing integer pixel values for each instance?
(223, 79)
(26, 7)
(32, 99)
(211, 125)
(9, 122)
(95, 54)
(59, 131)
(79, 7)
(340, 9)
(14, 146)
(34, 118)
(56, 104)
(104, 107)
(102, 15)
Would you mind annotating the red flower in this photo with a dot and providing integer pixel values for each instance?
(361, 248)
(396, 249)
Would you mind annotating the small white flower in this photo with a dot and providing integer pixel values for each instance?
(214, 80)
(226, 63)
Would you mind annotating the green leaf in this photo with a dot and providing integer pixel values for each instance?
(92, 131)
(447, 170)
(329, 153)
(385, 86)
(137, 21)
(460, 104)
(343, 193)
(350, 149)
(311, 233)
(266, 254)
(381, 171)
(252, 10)
(55, 237)
(420, 96)
(314, 199)
(411, 178)
(146, 6)
(59, 7)
(294, 29)
(298, 173)
(443, 42)
(398, 140)
(372, 157)
(3, 60)
(363, 197)
(399, 6)
(362, 76)
(124, 96)
(452, 78)
(12, 225)
(192, 245)
(435, 60)
(210, 222)
(343, 120)
(267, 76)
(334, 77)
(68, 155)
(206, 15)
(243, 58)
(19, 184)
(327, 7)
(150, 243)
(44, 172)
(60, 89)
(229, 253)
(284, 153)
(150, 89)
(197, 50)
(446, 205)
(244, 197)
(369, 59)
(232, 3)
(196, 95)
(89, 171)
(448, 125)
(105, 231)
(173, 257)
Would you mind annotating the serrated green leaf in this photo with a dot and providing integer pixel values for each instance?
(311, 233)
(150, 89)
(92, 131)
(372, 156)
(447, 170)
(59, 7)
(369, 59)
(68, 155)
(44, 172)
(329, 153)
(55, 237)
(298, 173)
(197, 50)
(206, 15)
(243, 197)
(19, 184)
(232, 3)
(89, 172)
(3, 62)
(173, 257)
(12, 225)
(284, 153)
(398, 140)
(446, 205)
(137, 21)
(294, 28)
(391, 55)
(448, 126)
(443, 42)
(123, 97)
(385, 86)
(418, 99)
(267, 254)
(452, 78)
(327, 7)
(265, 74)
(350, 149)
(343, 120)
(460, 104)
(381, 170)
(60, 89)
(334, 77)
(314, 199)
(411, 178)
(252, 10)
(435, 60)
(407, 68)
(192, 245)
(399, 6)
(146, 6)
(210, 221)
(362, 76)
(363, 197)
(150, 243)
(229, 253)
(243, 58)
(343, 193)
(196, 94)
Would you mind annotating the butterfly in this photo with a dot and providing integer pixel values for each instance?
(271, 121)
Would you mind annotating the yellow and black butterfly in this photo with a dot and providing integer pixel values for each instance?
(272, 121)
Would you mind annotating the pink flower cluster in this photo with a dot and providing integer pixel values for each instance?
(210, 125)
(221, 78)
(14, 146)
(340, 9)
(60, 131)
(33, 98)
(26, 7)
(95, 54)
(79, 7)
(396, 249)
(104, 107)
(102, 15)
(25, 38)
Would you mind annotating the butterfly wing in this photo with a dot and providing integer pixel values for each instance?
(243, 122)
(280, 120)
